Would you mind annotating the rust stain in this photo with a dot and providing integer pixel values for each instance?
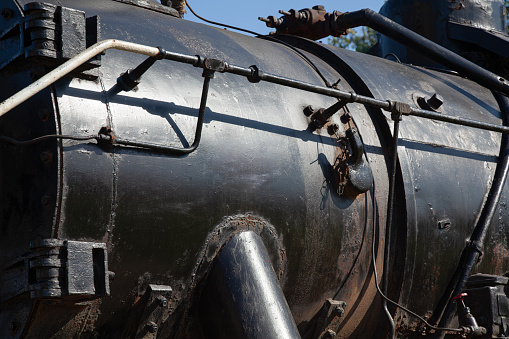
(500, 255)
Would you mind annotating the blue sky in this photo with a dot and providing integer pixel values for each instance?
(245, 14)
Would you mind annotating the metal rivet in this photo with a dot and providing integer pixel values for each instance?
(47, 157)
(6, 13)
(152, 327)
(45, 200)
(44, 114)
(308, 110)
(13, 327)
(332, 129)
(163, 302)
(345, 118)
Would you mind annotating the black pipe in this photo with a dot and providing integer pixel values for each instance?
(474, 249)
(241, 297)
(207, 74)
(130, 79)
(442, 55)
(396, 117)
(335, 93)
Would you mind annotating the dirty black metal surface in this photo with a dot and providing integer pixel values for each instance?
(165, 218)
(242, 296)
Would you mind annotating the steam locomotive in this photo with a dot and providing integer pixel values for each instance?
(167, 179)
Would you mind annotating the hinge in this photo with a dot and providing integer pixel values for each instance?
(68, 270)
(49, 33)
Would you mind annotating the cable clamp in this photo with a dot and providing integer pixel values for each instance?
(256, 74)
(161, 54)
(215, 65)
(477, 246)
(353, 97)
(106, 137)
(398, 109)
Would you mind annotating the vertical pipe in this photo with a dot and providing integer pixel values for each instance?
(475, 246)
(242, 297)
(396, 117)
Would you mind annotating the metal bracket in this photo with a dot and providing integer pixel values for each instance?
(321, 117)
(328, 321)
(149, 312)
(52, 34)
(360, 175)
(351, 168)
(107, 137)
(68, 270)
(398, 109)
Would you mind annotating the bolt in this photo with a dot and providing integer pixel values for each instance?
(435, 101)
(443, 224)
(345, 118)
(308, 110)
(163, 302)
(44, 114)
(6, 13)
(332, 129)
(13, 326)
(152, 327)
(45, 200)
(47, 157)
(339, 311)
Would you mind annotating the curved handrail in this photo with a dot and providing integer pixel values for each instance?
(71, 65)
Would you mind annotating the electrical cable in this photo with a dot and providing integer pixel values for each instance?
(220, 24)
(265, 37)
(46, 137)
(373, 259)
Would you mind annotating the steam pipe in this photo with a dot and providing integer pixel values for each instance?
(316, 24)
(399, 33)
(474, 249)
(252, 73)
(241, 297)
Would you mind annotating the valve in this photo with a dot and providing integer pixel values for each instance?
(312, 23)
(471, 328)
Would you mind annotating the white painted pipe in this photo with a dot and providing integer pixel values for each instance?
(71, 65)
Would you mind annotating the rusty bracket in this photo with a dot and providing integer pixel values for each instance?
(149, 312)
(321, 117)
(330, 316)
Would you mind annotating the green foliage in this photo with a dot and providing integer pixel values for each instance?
(356, 40)
(506, 3)
(362, 40)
